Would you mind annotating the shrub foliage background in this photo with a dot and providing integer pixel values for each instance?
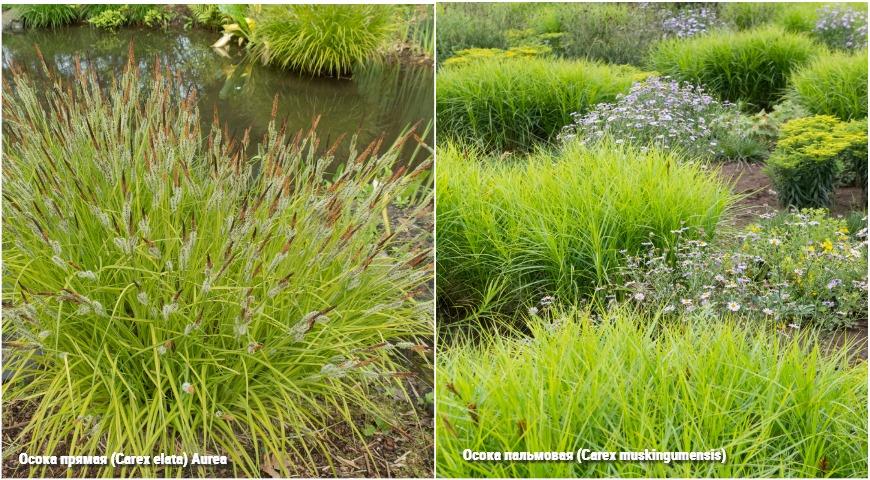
(166, 292)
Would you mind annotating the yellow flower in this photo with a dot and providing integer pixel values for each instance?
(843, 230)
(754, 228)
(827, 246)
(810, 249)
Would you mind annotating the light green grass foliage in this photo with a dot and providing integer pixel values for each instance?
(165, 292)
(111, 17)
(834, 84)
(776, 405)
(810, 155)
(557, 224)
(518, 103)
(322, 39)
(751, 66)
(47, 16)
(417, 28)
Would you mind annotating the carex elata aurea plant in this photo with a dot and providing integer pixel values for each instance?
(165, 291)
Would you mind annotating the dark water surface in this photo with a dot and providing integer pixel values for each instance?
(382, 99)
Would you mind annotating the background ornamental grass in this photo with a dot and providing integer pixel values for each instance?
(166, 292)
(776, 404)
(751, 66)
(515, 104)
(835, 84)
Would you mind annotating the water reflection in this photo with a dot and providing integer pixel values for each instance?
(379, 100)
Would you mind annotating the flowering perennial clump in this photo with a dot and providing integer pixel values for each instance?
(842, 27)
(658, 112)
(802, 268)
(689, 22)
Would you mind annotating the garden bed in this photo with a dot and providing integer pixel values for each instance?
(759, 197)
(693, 235)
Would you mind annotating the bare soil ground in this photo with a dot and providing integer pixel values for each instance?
(760, 197)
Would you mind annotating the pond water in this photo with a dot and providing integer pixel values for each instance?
(383, 99)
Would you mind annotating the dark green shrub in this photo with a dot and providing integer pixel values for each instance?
(611, 32)
(517, 103)
(834, 84)
(47, 15)
(808, 159)
(322, 39)
(752, 66)
(748, 15)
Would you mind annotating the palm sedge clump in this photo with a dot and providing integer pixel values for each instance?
(775, 403)
(833, 85)
(514, 104)
(561, 223)
(751, 66)
(166, 293)
(322, 39)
